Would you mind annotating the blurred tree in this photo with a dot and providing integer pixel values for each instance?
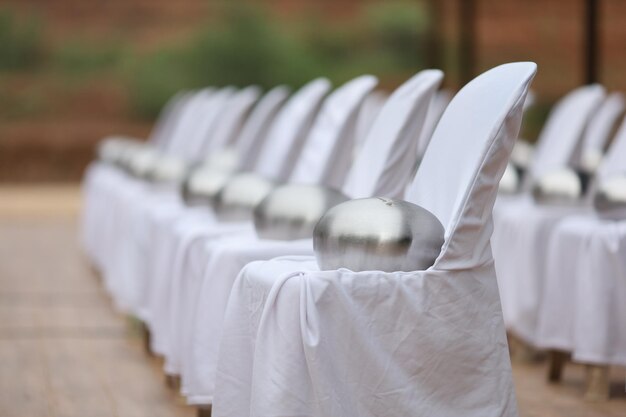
(21, 44)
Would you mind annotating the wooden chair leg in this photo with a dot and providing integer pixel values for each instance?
(521, 351)
(597, 387)
(204, 411)
(146, 338)
(173, 382)
(556, 362)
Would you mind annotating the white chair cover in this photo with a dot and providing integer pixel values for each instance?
(214, 264)
(299, 341)
(230, 119)
(367, 115)
(168, 117)
(194, 130)
(560, 136)
(521, 261)
(436, 109)
(556, 137)
(125, 197)
(254, 132)
(100, 179)
(584, 292)
(335, 121)
(332, 134)
(290, 129)
(285, 129)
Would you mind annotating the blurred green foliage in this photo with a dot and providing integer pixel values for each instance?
(81, 57)
(246, 46)
(21, 42)
(242, 44)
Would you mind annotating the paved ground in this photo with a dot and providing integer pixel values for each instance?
(64, 351)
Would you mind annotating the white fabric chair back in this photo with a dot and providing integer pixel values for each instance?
(203, 122)
(602, 123)
(325, 157)
(193, 125)
(563, 130)
(458, 178)
(384, 163)
(372, 105)
(440, 101)
(230, 118)
(254, 131)
(614, 161)
(185, 117)
(168, 117)
(287, 133)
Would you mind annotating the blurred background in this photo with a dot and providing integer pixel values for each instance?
(74, 71)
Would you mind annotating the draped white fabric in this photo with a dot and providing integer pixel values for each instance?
(283, 133)
(298, 341)
(126, 198)
(521, 234)
(584, 291)
(178, 226)
(391, 137)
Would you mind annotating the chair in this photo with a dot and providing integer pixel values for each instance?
(102, 179)
(129, 203)
(333, 122)
(299, 341)
(331, 134)
(376, 171)
(583, 288)
(520, 236)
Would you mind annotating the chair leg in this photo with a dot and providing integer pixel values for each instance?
(556, 362)
(204, 411)
(521, 351)
(597, 387)
(173, 382)
(146, 338)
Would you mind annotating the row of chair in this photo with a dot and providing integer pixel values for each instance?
(250, 324)
(557, 238)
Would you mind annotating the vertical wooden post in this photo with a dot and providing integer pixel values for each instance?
(434, 45)
(556, 362)
(204, 411)
(146, 339)
(591, 41)
(467, 40)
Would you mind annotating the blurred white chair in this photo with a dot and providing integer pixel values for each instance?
(511, 238)
(101, 178)
(385, 161)
(557, 142)
(299, 341)
(128, 204)
(327, 149)
(289, 128)
(583, 305)
(368, 113)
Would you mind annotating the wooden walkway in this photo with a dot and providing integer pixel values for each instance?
(65, 352)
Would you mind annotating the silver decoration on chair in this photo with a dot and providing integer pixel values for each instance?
(378, 234)
(168, 169)
(291, 211)
(561, 187)
(203, 184)
(141, 162)
(238, 198)
(609, 200)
